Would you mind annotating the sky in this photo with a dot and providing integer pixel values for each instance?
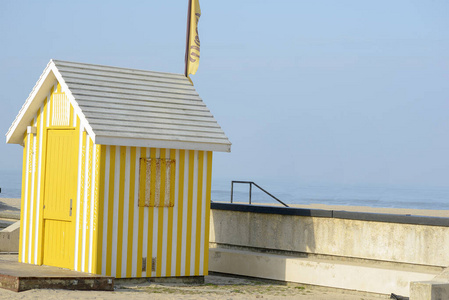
(308, 92)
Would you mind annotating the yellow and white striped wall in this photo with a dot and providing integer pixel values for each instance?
(138, 241)
(113, 235)
(33, 170)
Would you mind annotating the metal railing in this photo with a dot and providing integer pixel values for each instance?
(251, 183)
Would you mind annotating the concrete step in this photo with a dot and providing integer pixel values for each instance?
(366, 276)
(19, 277)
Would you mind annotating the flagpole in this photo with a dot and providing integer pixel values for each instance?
(189, 12)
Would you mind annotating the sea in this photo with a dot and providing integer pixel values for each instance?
(416, 197)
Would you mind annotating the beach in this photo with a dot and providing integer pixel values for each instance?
(11, 206)
(215, 287)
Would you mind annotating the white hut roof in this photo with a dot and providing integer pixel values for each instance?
(128, 107)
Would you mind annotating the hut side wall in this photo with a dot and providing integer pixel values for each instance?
(86, 231)
(137, 241)
(33, 174)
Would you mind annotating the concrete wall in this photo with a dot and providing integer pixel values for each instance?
(9, 238)
(384, 241)
(358, 251)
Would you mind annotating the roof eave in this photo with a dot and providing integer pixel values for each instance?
(31, 105)
(133, 142)
(48, 78)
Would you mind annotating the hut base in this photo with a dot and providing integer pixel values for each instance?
(176, 280)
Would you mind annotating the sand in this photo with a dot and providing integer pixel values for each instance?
(9, 208)
(380, 210)
(215, 287)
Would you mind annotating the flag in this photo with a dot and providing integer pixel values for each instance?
(193, 40)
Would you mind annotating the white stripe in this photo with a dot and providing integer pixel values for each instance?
(175, 218)
(184, 214)
(25, 202)
(115, 213)
(126, 212)
(105, 211)
(203, 216)
(38, 200)
(194, 214)
(84, 222)
(136, 214)
(33, 184)
(78, 199)
(165, 221)
(92, 206)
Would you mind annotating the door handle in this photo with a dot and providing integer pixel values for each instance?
(70, 214)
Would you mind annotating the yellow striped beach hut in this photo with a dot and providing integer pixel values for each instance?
(117, 170)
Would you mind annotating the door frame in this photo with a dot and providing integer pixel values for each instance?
(41, 231)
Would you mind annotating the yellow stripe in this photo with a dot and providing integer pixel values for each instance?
(141, 215)
(207, 219)
(198, 212)
(160, 225)
(132, 178)
(28, 216)
(80, 217)
(151, 214)
(110, 210)
(118, 273)
(180, 200)
(81, 195)
(22, 204)
(88, 205)
(101, 185)
(75, 191)
(97, 211)
(189, 212)
(170, 215)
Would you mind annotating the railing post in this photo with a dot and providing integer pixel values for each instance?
(250, 188)
(232, 190)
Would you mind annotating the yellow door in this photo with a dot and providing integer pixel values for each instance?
(59, 198)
